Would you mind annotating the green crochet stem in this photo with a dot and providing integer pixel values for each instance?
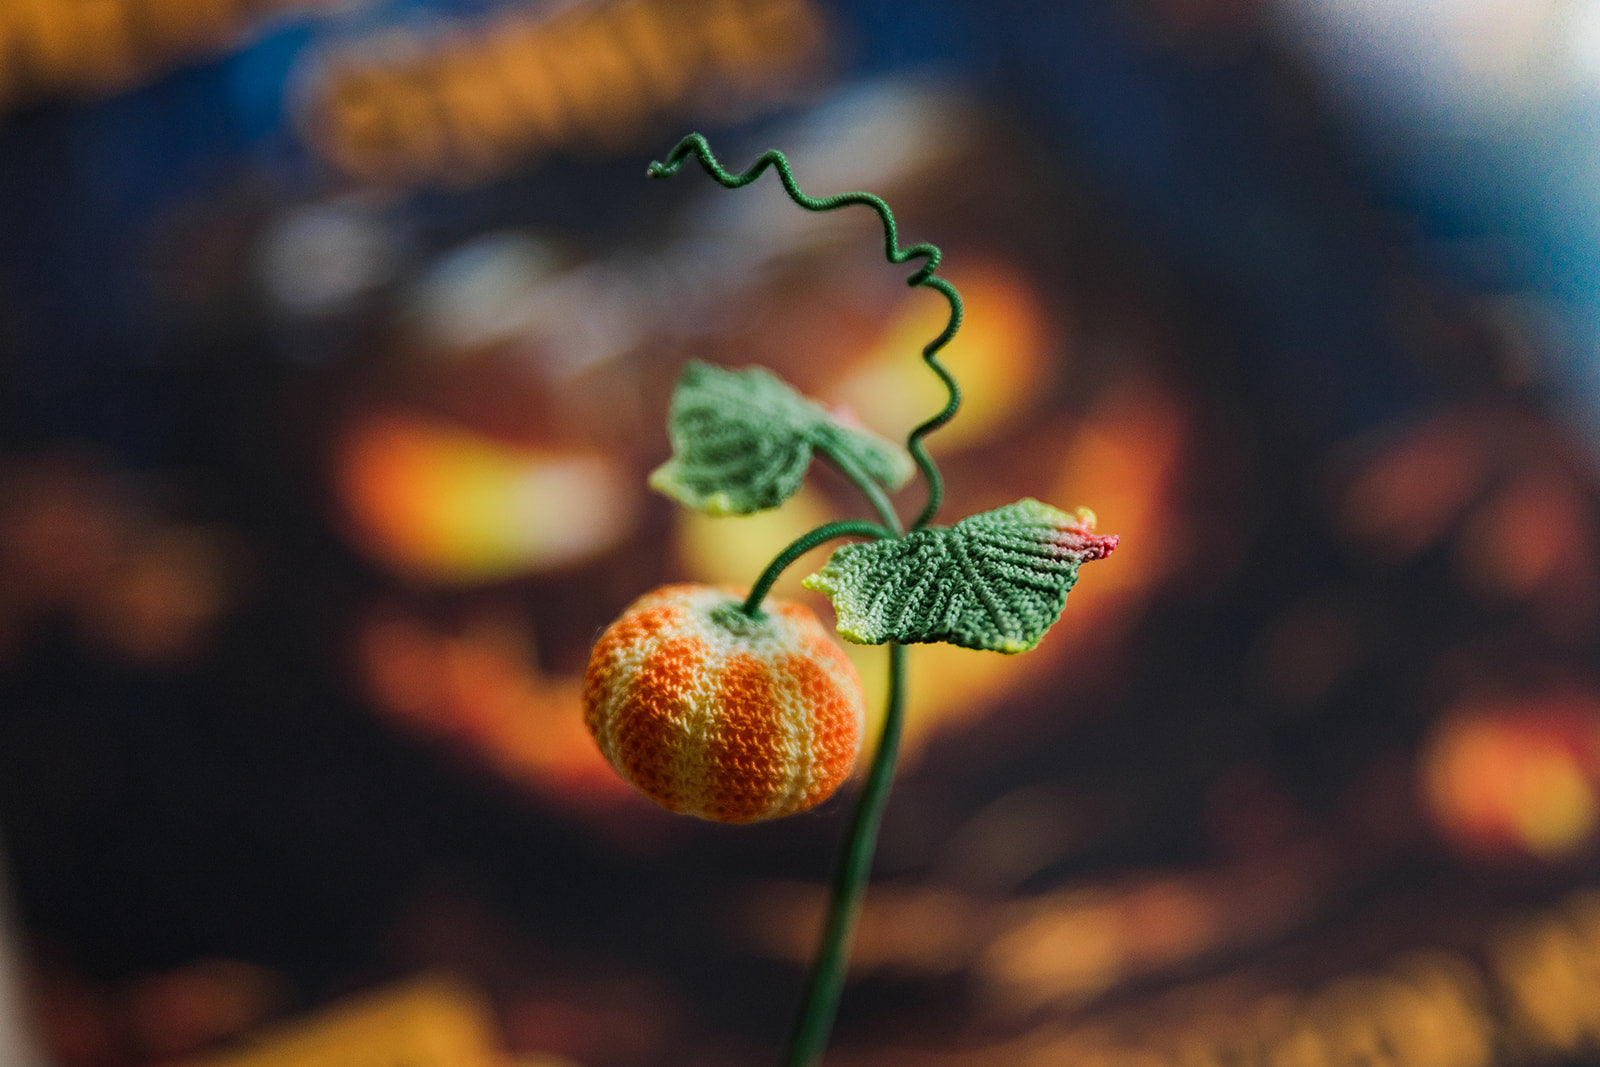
(821, 1002)
(799, 547)
(845, 528)
(869, 488)
(825, 982)
(696, 145)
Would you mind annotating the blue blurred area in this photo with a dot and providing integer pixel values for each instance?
(82, 186)
(1477, 123)
(1197, 161)
(1192, 151)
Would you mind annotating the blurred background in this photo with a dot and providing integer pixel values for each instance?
(336, 338)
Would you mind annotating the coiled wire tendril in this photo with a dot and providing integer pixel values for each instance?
(695, 144)
(809, 1039)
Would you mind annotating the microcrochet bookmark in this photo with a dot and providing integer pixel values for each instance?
(737, 707)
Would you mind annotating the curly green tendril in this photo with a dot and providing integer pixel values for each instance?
(996, 580)
(695, 144)
(808, 1041)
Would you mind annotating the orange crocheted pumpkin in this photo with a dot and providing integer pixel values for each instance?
(711, 713)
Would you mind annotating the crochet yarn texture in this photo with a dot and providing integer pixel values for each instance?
(742, 441)
(712, 713)
(997, 580)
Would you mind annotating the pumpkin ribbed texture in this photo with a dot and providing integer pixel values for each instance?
(713, 714)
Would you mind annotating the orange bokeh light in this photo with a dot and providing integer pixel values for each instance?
(440, 503)
(481, 690)
(1517, 779)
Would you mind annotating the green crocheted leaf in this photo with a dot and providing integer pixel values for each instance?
(742, 440)
(995, 581)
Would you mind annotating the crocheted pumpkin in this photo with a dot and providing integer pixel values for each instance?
(711, 713)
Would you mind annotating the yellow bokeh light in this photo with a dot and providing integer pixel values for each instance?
(438, 502)
(1553, 807)
(1514, 779)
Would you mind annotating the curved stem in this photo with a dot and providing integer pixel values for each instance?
(826, 981)
(799, 547)
(695, 144)
(810, 1037)
(869, 489)
(930, 355)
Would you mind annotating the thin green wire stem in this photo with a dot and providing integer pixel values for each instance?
(799, 547)
(919, 452)
(826, 980)
(695, 144)
(870, 489)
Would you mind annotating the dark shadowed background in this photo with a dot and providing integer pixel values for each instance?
(336, 339)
